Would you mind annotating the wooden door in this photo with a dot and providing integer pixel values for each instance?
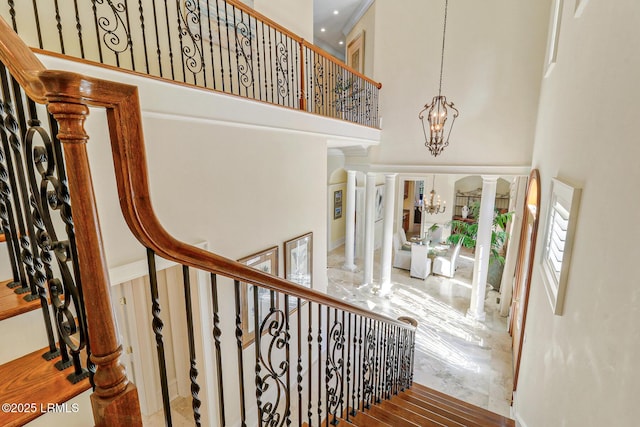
(524, 266)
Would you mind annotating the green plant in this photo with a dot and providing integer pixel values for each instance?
(468, 231)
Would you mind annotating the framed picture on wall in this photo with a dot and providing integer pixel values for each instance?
(266, 261)
(298, 263)
(355, 53)
(337, 204)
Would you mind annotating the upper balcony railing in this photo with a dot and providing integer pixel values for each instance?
(219, 44)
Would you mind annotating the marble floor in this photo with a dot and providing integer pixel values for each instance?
(459, 356)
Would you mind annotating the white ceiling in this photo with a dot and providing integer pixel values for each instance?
(336, 26)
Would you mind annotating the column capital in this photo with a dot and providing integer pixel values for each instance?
(490, 178)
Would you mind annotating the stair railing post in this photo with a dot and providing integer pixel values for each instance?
(115, 399)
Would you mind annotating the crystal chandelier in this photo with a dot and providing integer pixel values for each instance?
(433, 205)
(438, 110)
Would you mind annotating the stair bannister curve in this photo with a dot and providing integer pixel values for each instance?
(68, 97)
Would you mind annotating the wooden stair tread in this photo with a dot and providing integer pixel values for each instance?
(390, 418)
(463, 411)
(32, 380)
(12, 304)
(409, 412)
(365, 419)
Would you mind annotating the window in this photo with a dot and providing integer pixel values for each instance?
(561, 222)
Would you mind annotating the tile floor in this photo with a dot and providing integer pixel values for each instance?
(467, 359)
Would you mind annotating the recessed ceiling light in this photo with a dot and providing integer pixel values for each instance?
(322, 30)
(340, 42)
(335, 12)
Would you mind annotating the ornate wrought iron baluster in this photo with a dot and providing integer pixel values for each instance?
(79, 28)
(36, 17)
(144, 35)
(213, 70)
(349, 346)
(97, 27)
(334, 366)
(70, 255)
(193, 370)
(157, 34)
(299, 367)
(271, 66)
(360, 401)
(157, 325)
(257, 82)
(191, 41)
(233, 11)
(282, 67)
(266, 64)
(217, 333)
(243, 415)
(222, 74)
(12, 12)
(166, 14)
(243, 42)
(309, 363)
(116, 35)
(129, 39)
(319, 364)
(59, 26)
(368, 368)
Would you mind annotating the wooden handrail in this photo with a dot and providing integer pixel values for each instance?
(333, 59)
(252, 12)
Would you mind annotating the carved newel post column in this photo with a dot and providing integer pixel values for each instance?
(115, 399)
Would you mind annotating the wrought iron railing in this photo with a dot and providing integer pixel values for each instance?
(314, 358)
(219, 44)
(35, 216)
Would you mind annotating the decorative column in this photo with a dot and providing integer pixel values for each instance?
(369, 220)
(483, 248)
(350, 220)
(387, 234)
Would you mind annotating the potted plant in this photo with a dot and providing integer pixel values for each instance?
(468, 232)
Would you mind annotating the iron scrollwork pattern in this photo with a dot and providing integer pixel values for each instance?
(189, 25)
(282, 69)
(334, 369)
(51, 193)
(244, 53)
(116, 35)
(348, 94)
(274, 413)
(368, 366)
(318, 78)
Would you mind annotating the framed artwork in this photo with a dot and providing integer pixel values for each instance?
(558, 241)
(337, 204)
(379, 203)
(554, 36)
(355, 53)
(298, 263)
(266, 261)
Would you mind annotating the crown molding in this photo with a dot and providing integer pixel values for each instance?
(356, 16)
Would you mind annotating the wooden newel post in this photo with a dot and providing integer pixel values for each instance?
(115, 399)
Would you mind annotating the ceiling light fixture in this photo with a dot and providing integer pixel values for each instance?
(335, 12)
(322, 30)
(437, 111)
(433, 205)
(340, 42)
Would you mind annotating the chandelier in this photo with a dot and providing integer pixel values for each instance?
(438, 110)
(433, 204)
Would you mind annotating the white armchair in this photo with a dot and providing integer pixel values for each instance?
(401, 257)
(445, 266)
(420, 261)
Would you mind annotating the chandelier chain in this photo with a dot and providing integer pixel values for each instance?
(444, 33)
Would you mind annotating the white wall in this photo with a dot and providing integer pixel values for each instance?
(295, 15)
(581, 368)
(492, 70)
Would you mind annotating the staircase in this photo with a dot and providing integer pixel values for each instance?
(30, 385)
(422, 406)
